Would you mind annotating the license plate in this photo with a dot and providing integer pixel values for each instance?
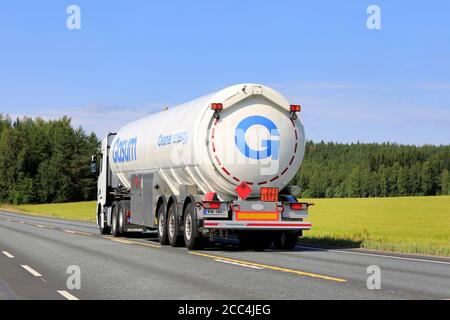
(215, 212)
(269, 194)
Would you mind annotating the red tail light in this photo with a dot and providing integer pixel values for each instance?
(295, 108)
(299, 206)
(211, 204)
(217, 106)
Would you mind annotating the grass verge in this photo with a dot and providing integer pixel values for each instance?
(82, 211)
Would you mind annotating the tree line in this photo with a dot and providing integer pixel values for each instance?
(374, 170)
(45, 161)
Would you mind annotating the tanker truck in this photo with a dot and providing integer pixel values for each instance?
(216, 167)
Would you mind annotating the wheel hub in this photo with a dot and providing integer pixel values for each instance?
(188, 227)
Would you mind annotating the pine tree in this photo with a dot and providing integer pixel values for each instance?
(445, 182)
(426, 178)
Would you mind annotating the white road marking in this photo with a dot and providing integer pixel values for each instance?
(374, 255)
(239, 264)
(9, 255)
(67, 295)
(21, 222)
(68, 231)
(31, 270)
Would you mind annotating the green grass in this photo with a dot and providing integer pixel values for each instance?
(409, 225)
(83, 211)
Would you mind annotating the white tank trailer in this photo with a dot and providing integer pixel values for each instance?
(210, 169)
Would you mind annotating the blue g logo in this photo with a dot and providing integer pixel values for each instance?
(269, 148)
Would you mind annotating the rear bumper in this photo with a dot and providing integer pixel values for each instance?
(257, 225)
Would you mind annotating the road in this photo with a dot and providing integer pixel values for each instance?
(36, 252)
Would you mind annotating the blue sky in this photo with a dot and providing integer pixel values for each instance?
(132, 58)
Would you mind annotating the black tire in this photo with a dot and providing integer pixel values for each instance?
(101, 228)
(122, 217)
(192, 237)
(115, 220)
(245, 240)
(173, 227)
(258, 240)
(286, 240)
(162, 226)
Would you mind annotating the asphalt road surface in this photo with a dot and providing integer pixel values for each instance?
(39, 257)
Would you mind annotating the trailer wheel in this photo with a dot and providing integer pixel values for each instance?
(162, 226)
(115, 220)
(192, 237)
(173, 227)
(121, 217)
(103, 229)
(286, 240)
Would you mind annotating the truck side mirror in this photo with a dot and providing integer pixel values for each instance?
(94, 164)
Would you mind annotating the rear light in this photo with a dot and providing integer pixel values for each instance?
(217, 106)
(211, 204)
(296, 108)
(299, 206)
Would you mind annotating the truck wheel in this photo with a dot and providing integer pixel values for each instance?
(173, 227)
(115, 220)
(101, 227)
(286, 240)
(121, 217)
(162, 227)
(192, 237)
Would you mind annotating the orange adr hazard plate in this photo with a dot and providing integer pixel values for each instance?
(269, 194)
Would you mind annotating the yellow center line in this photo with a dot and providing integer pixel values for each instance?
(121, 241)
(146, 244)
(83, 233)
(293, 271)
(132, 242)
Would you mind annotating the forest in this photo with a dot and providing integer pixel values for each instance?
(332, 170)
(47, 161)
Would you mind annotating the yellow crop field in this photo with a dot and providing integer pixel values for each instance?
(409, 224)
